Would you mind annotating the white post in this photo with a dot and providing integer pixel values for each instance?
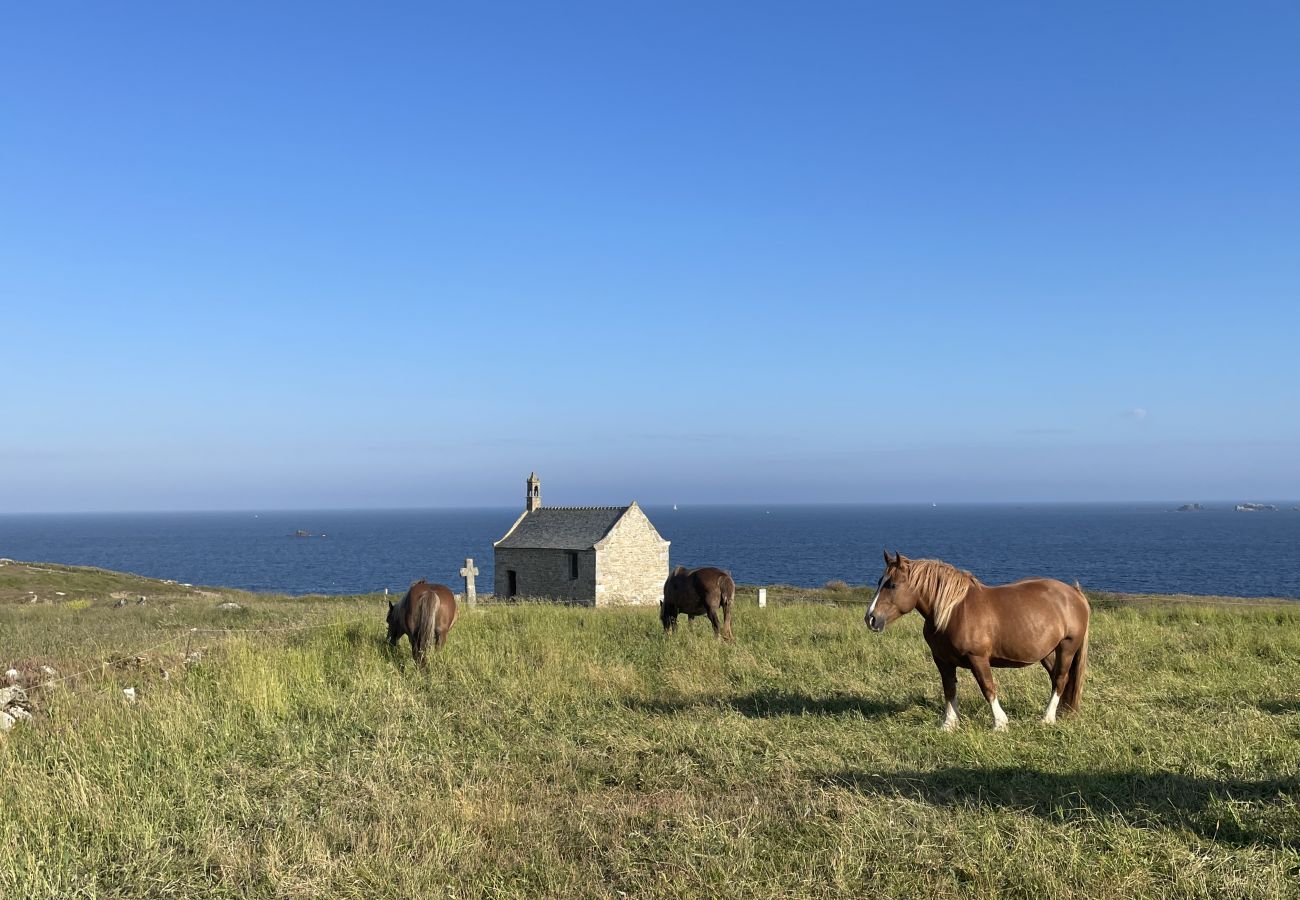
(762, 597)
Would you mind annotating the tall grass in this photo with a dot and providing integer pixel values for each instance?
(562, 752)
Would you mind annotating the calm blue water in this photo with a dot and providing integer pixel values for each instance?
(1142, 547)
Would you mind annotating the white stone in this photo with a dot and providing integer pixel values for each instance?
(6, 721)
(229, 605)
(12, 675)
(129, 693)
(18, 713)
(49, 670)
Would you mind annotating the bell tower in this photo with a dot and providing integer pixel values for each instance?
(533, 498)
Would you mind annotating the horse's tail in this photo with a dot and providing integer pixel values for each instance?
(426, 617)
(1079, 666)
(727, 588)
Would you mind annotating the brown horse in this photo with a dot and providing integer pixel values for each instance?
(699, 592)
(426, 611)
(976, 627)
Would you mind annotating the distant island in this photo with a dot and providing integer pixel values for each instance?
(305, 534)
(1190, 507)
(1256, 507)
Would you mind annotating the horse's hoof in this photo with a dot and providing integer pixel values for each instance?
(999, 726)
(947, 724)
(1046, 720)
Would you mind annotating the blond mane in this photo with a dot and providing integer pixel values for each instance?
(944, 585)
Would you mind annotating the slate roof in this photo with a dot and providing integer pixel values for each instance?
(562, 528)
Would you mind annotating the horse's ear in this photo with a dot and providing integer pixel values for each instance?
(888, 561)
(902, 561)
(391, 604)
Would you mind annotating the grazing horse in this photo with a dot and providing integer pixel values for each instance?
(699, 592)
(976, 627)
(426, 611)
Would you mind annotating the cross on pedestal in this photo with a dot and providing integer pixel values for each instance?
(468, 573)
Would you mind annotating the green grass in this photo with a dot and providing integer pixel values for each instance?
(560, 752)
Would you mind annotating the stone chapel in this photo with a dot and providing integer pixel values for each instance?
(597, 555)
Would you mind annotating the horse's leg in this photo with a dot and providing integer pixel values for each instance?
(1060, 672)
(711, 610)
(948, 675)
(726, 622)
(979, 665)
(439, 638)
(1050, 664)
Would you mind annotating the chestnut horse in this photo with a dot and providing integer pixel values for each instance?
(426, 611)
(976, 627)
(699, 592)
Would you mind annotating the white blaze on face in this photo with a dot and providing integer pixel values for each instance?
(871, 610)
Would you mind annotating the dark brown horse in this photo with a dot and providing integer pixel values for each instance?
(699, 592)
(976, 627)
(427, 611)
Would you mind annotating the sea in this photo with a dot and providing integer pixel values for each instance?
(1131, 548)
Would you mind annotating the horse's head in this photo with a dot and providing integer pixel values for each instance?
(894, 597)
(394, 623)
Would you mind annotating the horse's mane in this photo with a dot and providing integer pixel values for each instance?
(945, 585)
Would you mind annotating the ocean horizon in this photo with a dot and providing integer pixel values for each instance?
(1145, 547)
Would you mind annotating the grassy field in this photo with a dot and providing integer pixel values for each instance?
(563, 752)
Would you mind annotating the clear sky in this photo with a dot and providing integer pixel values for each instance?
(263, 255)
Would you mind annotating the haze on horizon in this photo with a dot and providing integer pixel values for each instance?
(289, 256)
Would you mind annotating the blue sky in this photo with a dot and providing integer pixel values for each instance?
(356, 255)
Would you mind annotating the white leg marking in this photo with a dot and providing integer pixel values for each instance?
(949, 721)
(999, 717)
(1050, 716)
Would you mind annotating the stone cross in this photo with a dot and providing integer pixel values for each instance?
(762, 597)
(468, 573)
